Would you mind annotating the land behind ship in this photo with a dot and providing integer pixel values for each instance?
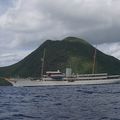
(70, 52)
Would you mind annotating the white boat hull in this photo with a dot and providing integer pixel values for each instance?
(28, 82)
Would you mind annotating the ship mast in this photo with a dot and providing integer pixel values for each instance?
(42, 66)
(94, 62)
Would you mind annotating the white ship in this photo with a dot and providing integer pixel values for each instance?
(59, 79)
(53, 78)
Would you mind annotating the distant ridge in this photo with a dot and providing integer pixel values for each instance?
(70, 52)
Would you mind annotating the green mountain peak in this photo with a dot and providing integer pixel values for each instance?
(69, 52)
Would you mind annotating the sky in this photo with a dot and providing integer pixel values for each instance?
(26, 24)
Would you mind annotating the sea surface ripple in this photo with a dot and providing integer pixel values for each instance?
(84, 102)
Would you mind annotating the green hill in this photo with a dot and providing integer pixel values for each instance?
(69, 52)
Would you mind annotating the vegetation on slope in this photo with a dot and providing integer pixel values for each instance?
(69, 52)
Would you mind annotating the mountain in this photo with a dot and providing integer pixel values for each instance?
(69, 52)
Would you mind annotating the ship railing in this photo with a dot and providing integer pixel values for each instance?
(91, 75)
(113, 76)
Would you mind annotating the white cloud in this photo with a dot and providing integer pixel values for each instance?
(27, 23)
(41, 15)
(110, 49)
(7, 58)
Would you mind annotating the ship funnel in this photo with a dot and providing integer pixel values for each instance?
(68, 72)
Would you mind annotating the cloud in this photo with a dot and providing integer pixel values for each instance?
(11, 57)
(110, 49)
(27, 23)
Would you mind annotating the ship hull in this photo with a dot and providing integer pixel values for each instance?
(28, 82)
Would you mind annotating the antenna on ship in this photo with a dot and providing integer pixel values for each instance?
(94, 62)
(42, 66)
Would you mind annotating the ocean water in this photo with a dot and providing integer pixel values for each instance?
(84, 102)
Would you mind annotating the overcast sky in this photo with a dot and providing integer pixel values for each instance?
(25, 24)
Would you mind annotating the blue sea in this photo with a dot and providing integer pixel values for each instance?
(84, 102)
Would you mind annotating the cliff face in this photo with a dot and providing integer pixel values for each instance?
(69, 52)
